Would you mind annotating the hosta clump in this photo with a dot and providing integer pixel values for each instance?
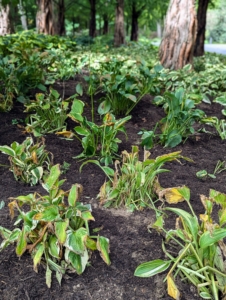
(28, 160)
(49, 113)
(55, 229)
(201, 258)
(133, 183)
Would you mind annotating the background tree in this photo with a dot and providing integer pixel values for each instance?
(201, 18)
(44, 17)
(6, 25)
(119, 35)
(177, 45)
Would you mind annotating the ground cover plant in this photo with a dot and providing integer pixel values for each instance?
(131, 244)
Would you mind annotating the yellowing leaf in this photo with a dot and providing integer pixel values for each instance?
(34, 157)
(171, 195)
(67, 134)
(172, 288)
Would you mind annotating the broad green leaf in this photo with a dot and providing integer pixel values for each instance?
(152, 268)
(48, 276)
(91, 244)
(38, 256)
(54, 93)
(185, 192)
(222, 216)
(21, 243)
(52, 178)
(48, 215)
(82, 131)
(104, 107)
(209, 238)
(76, 111)
(87, 216)
(7, 150)
(73, 195)
(108, 171)
(205, 295)
(60, 230)
(75, 241)
(37, 174)
(103, 247)
(54, 248)
(78, 262)
(131, 97)
(190, 220)
(79, 89)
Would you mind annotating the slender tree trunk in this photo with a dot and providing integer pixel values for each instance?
(60, 23)
(119, 36)
(134, 28)
(201, 18)
(92, 23)
(106, 24)
(177, 46)
(6, 26)
(23, 16)
(44, 17)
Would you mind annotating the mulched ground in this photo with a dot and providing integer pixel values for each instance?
(130, 241)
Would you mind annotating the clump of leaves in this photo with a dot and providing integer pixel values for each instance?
(201, 256)
(50, 113)
(55, 229)
(178, 123)
(97, 140)
(29, 160)
(219, 125)
(134, 183)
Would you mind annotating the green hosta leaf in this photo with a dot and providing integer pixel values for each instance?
(48, 215)
(205, 295)
(82, 131)
(152, 268)
(60, 230)
(77, 261)
(91, 244)
(87, 216)
(131, 97)
(22, 242)
(54, 93)
(185, 192)
(104, 107)
(48, 276)
(222, 216)
(5, 233)
(76, 111)
(209, 238)
(73, 195)
(38, 256)
(191, 221)
(79, 89)
(221, 100)
(108, 171)
(52, 178)
(37, 174)
(7, 150)
(173, 140)
(54, 248)
(75, 241)
(103, 247)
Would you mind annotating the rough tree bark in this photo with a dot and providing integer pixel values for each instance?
(201, 18)
(5, 20)
(177, 45)
(119, 35)
(44, 17)
(92, 23)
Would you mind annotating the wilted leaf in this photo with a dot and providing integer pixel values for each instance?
(38, 256)
(103, 247)
(172, 288)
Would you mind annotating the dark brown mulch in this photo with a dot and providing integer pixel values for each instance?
(130, 241)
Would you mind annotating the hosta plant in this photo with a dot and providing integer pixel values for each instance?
(48, 113)
(28, 160)
(97, 140)
(201, 256)
(55, 229)
(134, 183)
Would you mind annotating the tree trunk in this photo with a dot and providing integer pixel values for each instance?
(201, 17)
(119, 36)
(92, 23)
(44, 17)
(106, 24)
(61, 18)
(134, 28)
(22, 14)
(5, 20)
(177, 45)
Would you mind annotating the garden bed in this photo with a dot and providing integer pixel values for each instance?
(130, 241)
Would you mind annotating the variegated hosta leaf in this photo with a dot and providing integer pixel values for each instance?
(76, 241)
(38, 256)
(152, 268)
(48, 215)
(60, 230)
(54, 247)
(21, 242)
(78, 262)
(103, 247)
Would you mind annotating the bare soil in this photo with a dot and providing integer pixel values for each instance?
(130, 241)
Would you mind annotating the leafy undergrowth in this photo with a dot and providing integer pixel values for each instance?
(130, 241)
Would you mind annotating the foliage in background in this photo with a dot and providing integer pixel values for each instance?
(28, 161)
(201, 258)
(55, 229)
